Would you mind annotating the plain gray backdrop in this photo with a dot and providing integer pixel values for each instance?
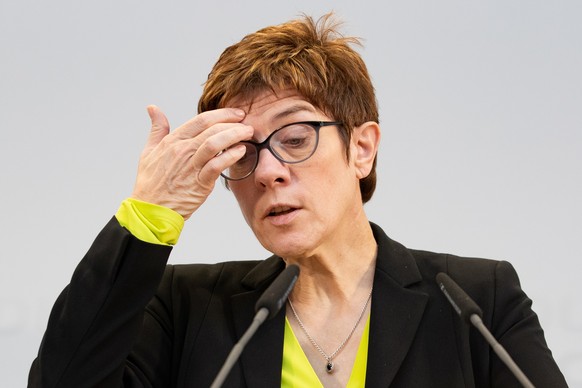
(480, 107)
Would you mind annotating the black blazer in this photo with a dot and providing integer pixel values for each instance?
(110, 327)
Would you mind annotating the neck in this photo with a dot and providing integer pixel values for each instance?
(338, 273)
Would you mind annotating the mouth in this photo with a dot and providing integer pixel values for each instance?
(280, 210)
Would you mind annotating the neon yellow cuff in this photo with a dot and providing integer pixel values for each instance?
(151, 223)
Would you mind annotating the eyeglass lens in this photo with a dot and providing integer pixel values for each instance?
(293, 143)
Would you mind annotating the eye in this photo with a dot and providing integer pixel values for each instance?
(296, 136)
(294, 142)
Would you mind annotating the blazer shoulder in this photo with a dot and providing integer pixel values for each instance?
(466, 271)
(411, 266)
(470, 271)
(463, 266)
(207, 274)
(230, 276)
(490, 283)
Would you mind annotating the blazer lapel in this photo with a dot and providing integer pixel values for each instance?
(396, 310)
(262, 358)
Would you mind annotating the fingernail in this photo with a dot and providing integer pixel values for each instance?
(239, 112)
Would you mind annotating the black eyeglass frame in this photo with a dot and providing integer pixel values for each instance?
(316, 125)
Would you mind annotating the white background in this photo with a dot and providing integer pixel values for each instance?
(481, 153)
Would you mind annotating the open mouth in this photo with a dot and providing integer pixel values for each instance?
(280, 210)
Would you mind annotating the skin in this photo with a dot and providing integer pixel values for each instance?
(310, 214)
(179, 169)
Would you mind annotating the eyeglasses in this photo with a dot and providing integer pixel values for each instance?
(292, 143)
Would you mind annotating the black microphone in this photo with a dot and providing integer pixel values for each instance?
(470, 312)
(267, 307)
(461, 302)
(276, 295)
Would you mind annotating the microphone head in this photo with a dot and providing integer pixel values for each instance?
(461, 302)
(276, 294)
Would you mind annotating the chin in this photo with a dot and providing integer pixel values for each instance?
(288, 246)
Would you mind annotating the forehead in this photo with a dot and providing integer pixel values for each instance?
(273, 105)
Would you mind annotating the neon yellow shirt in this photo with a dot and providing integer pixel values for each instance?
(298, 373)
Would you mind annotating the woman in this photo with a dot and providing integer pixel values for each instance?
(288, 117)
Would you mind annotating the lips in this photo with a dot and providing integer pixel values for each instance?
(280, 210)
(281, 215)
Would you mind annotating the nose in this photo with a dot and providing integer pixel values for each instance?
(270, 170)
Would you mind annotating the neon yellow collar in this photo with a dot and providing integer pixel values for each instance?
(298, 373)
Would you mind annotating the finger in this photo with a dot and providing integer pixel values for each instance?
(160, 126)
(218, 141)
(211, 170)
(205, 120)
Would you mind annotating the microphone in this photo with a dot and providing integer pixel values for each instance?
(266, 307)
(276, 295)
(470, 312)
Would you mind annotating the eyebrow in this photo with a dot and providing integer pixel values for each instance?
(297, 107)
(293, 109)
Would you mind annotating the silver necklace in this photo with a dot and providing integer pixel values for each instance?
(329, 365)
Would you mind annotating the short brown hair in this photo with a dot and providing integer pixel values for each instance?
(309, 56)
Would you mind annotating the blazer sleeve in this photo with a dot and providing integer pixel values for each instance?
(98, 316)
(517, 328)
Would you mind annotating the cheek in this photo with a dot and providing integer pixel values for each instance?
(330, 168)
(244, 198)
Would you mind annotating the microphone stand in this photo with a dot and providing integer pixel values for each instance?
(501, 352)
(268, 305)
(470, 312)
(236, 351)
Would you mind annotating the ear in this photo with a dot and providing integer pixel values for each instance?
(365, 141)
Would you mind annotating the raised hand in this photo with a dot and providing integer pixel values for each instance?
(179, 169)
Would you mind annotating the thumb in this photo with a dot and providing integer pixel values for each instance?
(160, 126)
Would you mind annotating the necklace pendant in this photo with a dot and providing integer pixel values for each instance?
(329, 367)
